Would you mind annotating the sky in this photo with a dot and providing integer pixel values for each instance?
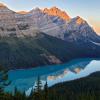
(87, 9)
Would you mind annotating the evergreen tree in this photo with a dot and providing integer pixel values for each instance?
(3, 81)
(30, 97)
(18, 95)
(46, 91)
(38, 86)
(37, 95)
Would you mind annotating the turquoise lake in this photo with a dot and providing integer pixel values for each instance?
(25, 79)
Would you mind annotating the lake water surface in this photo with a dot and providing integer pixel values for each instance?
(25, 79)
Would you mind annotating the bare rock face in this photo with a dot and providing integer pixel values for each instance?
(22, 23)
(52, 21)
(79, 30)
(54, 11)
(2, 5)
(22, 12)
(7, 21)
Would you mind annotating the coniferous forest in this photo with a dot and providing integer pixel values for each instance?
(87, 88)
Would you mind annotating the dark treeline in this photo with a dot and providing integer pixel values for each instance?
(82, 89)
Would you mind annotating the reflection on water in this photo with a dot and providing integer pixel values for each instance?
(25, 80)
(53, 77)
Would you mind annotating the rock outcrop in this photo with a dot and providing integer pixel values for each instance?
(54, 11)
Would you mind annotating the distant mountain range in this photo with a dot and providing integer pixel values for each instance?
(42, 37)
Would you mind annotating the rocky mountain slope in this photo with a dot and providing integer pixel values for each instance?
(52, 21)
(54, 11)
(12, 23)
(26, 52)
(41, 37)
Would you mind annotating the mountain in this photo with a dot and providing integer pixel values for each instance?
(78, 29)
(54, 11)
(41, 37)
(22, 12)
(27, 51)
(12, 23)
(52, 21)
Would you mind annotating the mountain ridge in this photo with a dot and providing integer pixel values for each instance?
(53, 24)
(54, 11)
